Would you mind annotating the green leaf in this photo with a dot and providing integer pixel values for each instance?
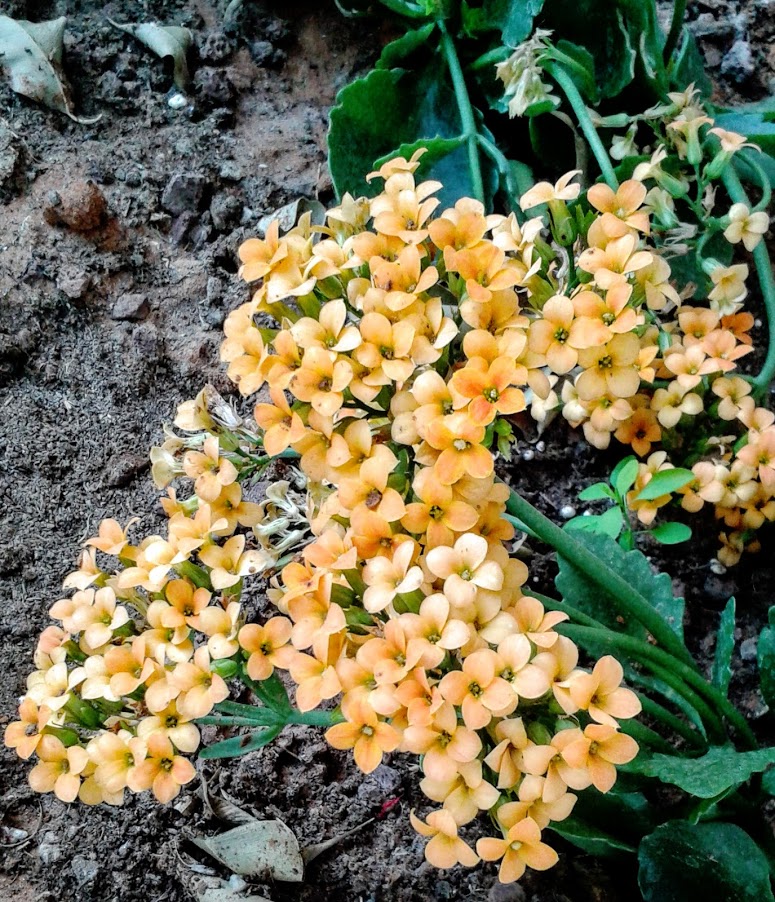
(591, 839)
(608, 524)
(766, 660)
(754, 123)
(633, 566)
(512, 18)
(768, 782)
(366, 122)
(630, 811)
(664, 482)
(725, 645)
(654, 684)
(580, 65)
(241, 745)
(649, 41)
(707, 776)
(680, 862)
(272, 693)
(397, 51)
(602, 30)
(688, 67)
(624, 475)
(391, 110)
(671, 533)
(596, 492)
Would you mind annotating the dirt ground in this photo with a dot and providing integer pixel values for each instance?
(108, 319)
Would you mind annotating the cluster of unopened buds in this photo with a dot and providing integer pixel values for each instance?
(408, 346)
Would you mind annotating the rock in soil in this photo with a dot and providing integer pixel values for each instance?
(80, 206)
(130, 306)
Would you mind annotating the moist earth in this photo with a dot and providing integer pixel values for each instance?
(117, 268)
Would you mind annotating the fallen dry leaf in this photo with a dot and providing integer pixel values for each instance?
(165, 41)
(31, 54)
(266, 849)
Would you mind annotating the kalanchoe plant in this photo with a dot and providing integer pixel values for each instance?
(402, 337)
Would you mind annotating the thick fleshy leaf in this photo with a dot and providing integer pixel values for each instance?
(688, 67)
(241, 745)
(766, 660)
(603, 31)
(397, 51)
(707, 776)
(680, 862)
(593, 840)
(596, 492)
(416, 108)
(725, 645)
(512, 18)
(656, 588)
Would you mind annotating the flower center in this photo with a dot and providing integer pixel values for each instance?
(460, 444)
(491, 394)
(475, 690)
(561, 335)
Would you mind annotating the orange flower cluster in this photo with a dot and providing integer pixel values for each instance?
(407, 603)
(409, 342)
(133, 660)
(488, 322)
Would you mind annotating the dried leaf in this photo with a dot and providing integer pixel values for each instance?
(266, 849)
(31, 54)
(224, 809)
(165, 41)
(291, 213)
(310, 853)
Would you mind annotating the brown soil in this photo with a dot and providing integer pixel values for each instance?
(108, 319)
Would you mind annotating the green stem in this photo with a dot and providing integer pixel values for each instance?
(679, 8)
(644, 735)
(466, 110)
(763, 265)
(749, 160)
(658, 712)
(626, 597)
(682, 679)
(582, 115)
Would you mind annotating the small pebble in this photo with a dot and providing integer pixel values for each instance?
(130, 307)
(528, 454)
(567, 512)
(177, 101)
(541, 447)
(717, 567)
(748, 649)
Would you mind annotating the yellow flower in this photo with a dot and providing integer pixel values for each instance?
(446, 848)
(59, 769)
